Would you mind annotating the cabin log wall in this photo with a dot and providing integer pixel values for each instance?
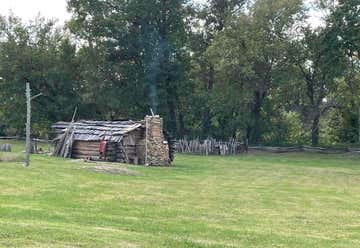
(130, 150)
(127, 142)
(86, 149)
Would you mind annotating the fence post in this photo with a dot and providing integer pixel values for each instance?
(28, 125)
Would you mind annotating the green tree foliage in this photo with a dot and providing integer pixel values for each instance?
(246, 69)
(312, 56)
(37, 53)
(249, 54)
(207, 22)
(137, 57)
(344, 38)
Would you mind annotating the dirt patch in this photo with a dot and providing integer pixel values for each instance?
(11, 157)
(112, 169)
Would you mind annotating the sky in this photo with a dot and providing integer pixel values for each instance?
(29, 9)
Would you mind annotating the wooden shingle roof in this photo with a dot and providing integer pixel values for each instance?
(98, 130)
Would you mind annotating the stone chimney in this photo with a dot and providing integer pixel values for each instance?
(156, 146)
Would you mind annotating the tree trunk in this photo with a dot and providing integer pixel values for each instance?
(206, 123)
(211, 82)
(315, 131)
(172, 117)
(28, 125)
(207, 116)
(181, 124)
(359, 123)
(255, 134)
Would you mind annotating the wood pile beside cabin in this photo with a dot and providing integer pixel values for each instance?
(134, 142)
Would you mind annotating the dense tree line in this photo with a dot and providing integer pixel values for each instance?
(251, 70)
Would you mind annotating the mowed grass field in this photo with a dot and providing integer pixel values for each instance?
(254, 200)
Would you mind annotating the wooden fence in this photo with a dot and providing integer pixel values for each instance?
(34, 143)
(210, 147)
(348, 150)
(232, 147)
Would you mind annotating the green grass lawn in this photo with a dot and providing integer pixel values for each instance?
(262, 200)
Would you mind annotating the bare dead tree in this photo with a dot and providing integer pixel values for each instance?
(28, 123)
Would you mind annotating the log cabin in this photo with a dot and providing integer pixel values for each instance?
(135, 142)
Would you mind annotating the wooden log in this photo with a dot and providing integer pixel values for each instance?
(85, 153)
(86, 145)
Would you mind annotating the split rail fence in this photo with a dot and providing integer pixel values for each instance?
(271, 149)
(212, 146)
